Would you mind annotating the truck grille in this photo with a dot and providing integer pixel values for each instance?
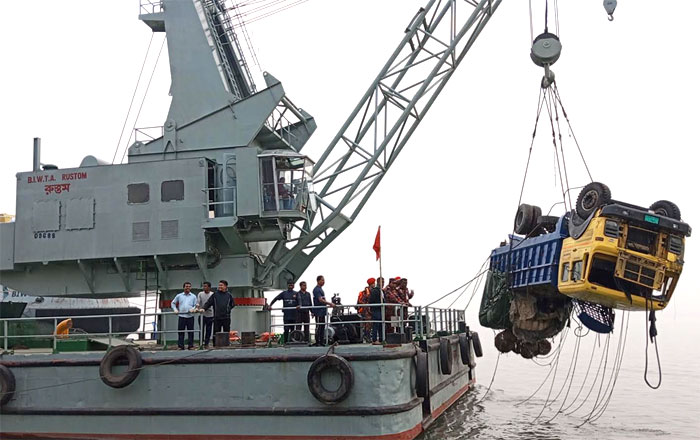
(640, 274)
(641, 240)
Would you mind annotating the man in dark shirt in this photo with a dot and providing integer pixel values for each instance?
(320, 305)
(305, 301)
(222, 301)
(376, 297)
(290, 304)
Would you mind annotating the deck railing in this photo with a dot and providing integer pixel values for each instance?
(421, 322)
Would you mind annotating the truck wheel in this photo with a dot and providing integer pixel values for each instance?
(667, 209)
(592, 196)
(526, 218)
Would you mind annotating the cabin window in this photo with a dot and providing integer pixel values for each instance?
(172, 190)
(286, 182)
(138, 193)
(565, 272)
(577, 271)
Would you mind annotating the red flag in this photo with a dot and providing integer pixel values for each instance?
(377, 244)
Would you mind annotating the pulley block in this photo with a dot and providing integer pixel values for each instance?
(546, 49)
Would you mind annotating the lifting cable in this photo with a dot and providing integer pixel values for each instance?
(493, 377)
(133, 96)
(148, 86)
(463, 286)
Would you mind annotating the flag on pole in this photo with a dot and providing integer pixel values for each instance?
(377, 244)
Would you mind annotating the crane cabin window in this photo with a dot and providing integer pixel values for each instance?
(286, 182)
(172, 190)
(137, 193)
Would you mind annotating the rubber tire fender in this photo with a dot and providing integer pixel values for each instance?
(422, 374)
(297, 336)
(347, 376)
(7, 385)
(476, 342)
(135, 363)
(445, 356)
(465, 350)
(667, 209)
(592, 196)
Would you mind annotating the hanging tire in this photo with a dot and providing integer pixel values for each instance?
(526, 218)
(347, 379)
(117, 354)
(7, 385)
(592, 196)
(476, 343)
(422, 374)
(445, 356)
(465, 351)
(297, 336)
(543, 347)
(667, 209)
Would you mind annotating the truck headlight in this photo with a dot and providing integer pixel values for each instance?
(612, 229)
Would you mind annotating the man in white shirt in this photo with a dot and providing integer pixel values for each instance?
(207, 321)
(183, 304)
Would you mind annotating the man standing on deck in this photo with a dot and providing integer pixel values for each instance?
(208, 317)
(290, 311)
(222, 301)
(183, 304)
(320, 312)
(305, 300)
(376, 299)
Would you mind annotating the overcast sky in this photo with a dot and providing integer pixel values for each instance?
(630, 88)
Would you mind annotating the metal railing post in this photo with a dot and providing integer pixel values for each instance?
(110, 331)
(55, 324)
(383, 320)
(5, 333)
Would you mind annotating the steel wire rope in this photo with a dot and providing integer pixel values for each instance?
(550, 104)
(569, 375)
(133, 96)
(617, 373)
(603, 356)
(577, 348)
(571, 130)
(532, 33)
(563, 158)
(476, 286)
(647, 337)
(554, 378)
(169, 361)
(611, 381)
(276, 11)
(544, 381)
(148, 86)
(248, 41)
(585, 378)
(460, 287)
(493, 377)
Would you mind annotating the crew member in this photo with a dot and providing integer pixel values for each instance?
(376, 298)
(305, 299)
(365, 312)
(290, 304)
(183, 304)
(222, 301)
(391, 296)
(320, 312)
(207, 319)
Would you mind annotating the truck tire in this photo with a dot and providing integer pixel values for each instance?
(548, 222)
(7, 385)
(592, 196)
(347, 379)
(667, 209)
(422, 374)
(526, 218)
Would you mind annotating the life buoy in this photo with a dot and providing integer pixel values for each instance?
(7, 385)
(445, 356)
(422, 374)
(465, 351)
(478, 351)
(347, 379)
(123, 352)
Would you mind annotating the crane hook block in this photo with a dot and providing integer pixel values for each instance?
(545, 49)
(610, 6)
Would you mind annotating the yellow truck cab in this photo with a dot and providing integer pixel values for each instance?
(622, 256)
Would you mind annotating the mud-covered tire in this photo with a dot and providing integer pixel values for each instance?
(7, 385)
(134, 362)
(543, 347)
(445, 356)
(422, 374)
(667, 209)
(524, 219)
(592, 196)
(347, 379)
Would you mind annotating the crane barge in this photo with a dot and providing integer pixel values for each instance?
(225, 191)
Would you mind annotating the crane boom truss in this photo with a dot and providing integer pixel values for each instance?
(358, 157)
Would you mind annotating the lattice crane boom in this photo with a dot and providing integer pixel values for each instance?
(436, 41)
